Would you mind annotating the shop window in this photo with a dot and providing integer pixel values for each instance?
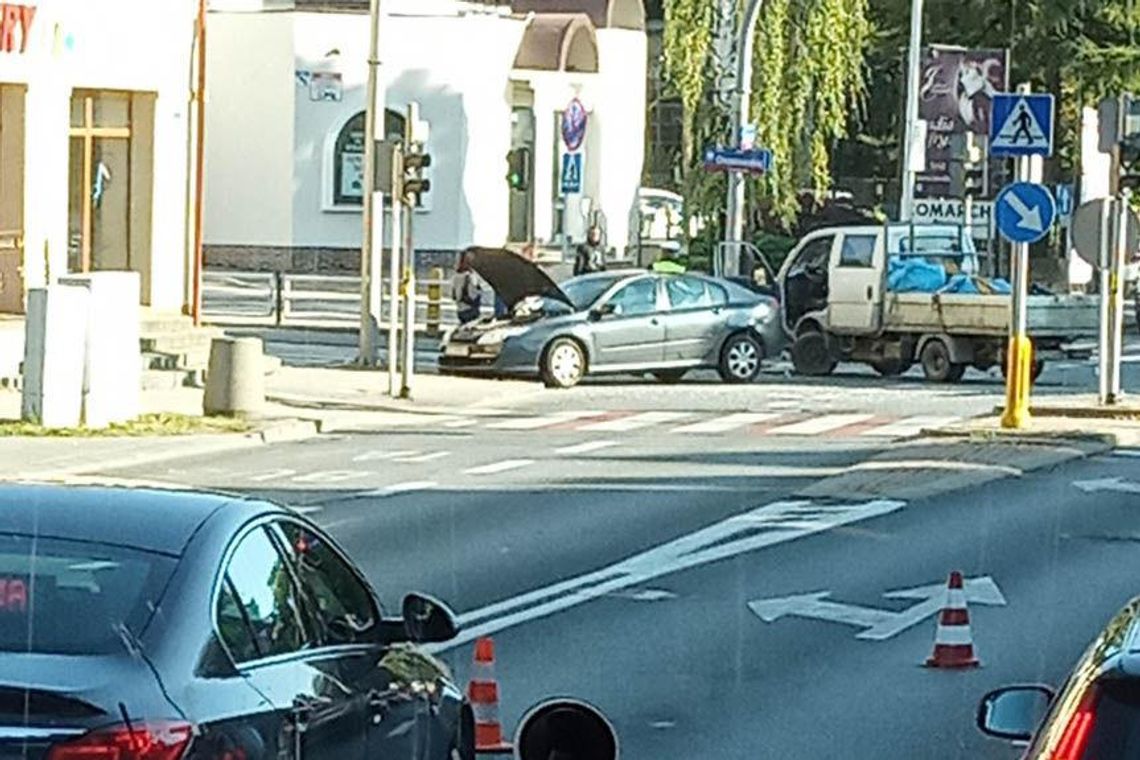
(348, 157)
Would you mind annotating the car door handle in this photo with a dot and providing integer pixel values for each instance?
(870, 293)
(654, 321)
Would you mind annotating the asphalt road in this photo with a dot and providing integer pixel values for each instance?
(618, 566)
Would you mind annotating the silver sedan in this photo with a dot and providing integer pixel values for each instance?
(616, 322)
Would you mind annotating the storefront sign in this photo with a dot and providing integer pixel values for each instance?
(15, 27)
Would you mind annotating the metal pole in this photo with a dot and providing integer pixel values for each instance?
(1120, 256)
(409, 304)
(199, 166)
(370, 253)
(914, 63)
(1019, 353)
(734, 209)
(394, 275)
(1104, 340)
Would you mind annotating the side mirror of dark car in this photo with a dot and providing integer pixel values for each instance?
(604, 310)
(565, 728)
(428, 620)
(1014, 712)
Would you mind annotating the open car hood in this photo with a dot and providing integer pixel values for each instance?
(512, 277)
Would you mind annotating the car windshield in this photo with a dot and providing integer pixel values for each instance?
(75, 597)
(762, 372)
(584, 291)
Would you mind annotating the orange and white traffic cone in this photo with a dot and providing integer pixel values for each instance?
(953, 643)
(483, 693)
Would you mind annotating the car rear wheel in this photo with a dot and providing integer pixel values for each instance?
(563, 364)
(740, 359)
(669, 376)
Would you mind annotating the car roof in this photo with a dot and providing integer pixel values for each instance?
(153, 519)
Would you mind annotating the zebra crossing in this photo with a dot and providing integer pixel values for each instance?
(784, 424)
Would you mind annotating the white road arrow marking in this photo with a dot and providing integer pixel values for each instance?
(1030, 217)
(1107, 484)
(878, 624)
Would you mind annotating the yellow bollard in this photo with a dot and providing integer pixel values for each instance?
(1019, 380)
(434, 302)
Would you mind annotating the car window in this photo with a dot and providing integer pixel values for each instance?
(264, 592)
(815, 254)
(583, 291)
(636, 298)
(857, 251)
(718, 296)
(47, 584)
(686, 293)
(341, 605)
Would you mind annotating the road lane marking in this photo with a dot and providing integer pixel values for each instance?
(586, 447)
(417, 458)
(634, 422)
(728, 538)
(330, 476)
(307, 510)
(726, 423)
(547, 420)
(497, 467)
(461, 423)
(397, 489)
(819, 425)
(909, 426)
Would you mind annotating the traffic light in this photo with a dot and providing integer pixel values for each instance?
(415, 184)
(518, 169)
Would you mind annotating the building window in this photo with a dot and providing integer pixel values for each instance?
(348, 157)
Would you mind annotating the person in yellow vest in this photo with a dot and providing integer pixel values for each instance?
(666, 264)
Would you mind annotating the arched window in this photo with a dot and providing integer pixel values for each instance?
(348, 156)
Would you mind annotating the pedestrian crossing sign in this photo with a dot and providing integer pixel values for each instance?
(1021, 125)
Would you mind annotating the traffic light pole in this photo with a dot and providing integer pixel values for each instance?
(734, 209)
(914, 63)
(1110, 382)
(1019, 353)
(409, 286)
(393, 273)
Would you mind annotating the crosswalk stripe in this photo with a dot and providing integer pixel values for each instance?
(908, 426)
(461, 423)
(727, 422)
(421, 458)
(586, 448)
(497, 467)
(635, 422)
(546, 420)
(819, 425)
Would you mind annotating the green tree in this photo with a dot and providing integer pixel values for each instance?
(808, 75)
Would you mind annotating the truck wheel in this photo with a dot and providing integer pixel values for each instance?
(811, 355)
(937, 365)
(890, 367)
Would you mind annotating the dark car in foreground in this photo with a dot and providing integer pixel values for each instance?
(1096, 714)
(141, 624)
(614, 322)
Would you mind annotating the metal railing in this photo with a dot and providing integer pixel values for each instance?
(310, 300)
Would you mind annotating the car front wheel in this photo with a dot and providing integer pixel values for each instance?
(563, 364)
(740, 359)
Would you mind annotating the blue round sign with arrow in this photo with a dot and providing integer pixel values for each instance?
(1025, 211)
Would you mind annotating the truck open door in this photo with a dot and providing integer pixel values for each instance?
(856, 282)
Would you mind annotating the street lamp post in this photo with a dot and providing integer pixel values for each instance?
(370, 259)
(914, 63)
(734, 211)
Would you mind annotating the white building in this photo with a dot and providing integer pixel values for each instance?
(94, 140)
(285, 125)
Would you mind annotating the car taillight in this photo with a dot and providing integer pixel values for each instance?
(157, 740)
(1076, 735)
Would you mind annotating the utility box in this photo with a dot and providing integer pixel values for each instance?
(54, 355)
(112, 374)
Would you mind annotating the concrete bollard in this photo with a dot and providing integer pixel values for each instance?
(235, 378)
(435, 302)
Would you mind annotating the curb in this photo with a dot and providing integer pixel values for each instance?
(404, 407)
(1130, 413)
(287, 430)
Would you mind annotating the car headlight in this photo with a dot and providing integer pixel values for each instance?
(499, 335)
(762, 312)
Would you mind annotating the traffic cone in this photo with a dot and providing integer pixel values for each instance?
(483, 693)
(953, 643)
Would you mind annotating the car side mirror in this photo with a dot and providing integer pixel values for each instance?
(568, 729)
(1014, 712)
(604, 310)
(428, 620)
